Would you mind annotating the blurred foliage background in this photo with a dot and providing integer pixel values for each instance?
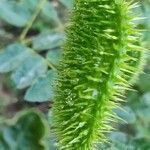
(31, 35)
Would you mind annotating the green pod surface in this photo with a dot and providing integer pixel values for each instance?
(100, 56)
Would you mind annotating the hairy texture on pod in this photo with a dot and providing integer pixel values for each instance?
(101, 55)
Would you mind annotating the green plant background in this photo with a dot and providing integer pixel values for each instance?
(31, 34)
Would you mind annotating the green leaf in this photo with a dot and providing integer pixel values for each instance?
(12, 56)
(42, 90)
(144, 114)
(48, 41)
(33, 67)
(143, 83)
(49, 12)
(118, 142)
(30, 4)
(26, 133)
(13, 13)
(128, 115)
(52, 143)
(118, 137)
(146, 99)
(143, 130)
(54, 56)
(146, 12)
(68, 4)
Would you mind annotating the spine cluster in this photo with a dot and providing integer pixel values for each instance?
(101, 55)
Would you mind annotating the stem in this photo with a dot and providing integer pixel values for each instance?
(45, 60)
(31, 21)
(50, 65)
(29, 25)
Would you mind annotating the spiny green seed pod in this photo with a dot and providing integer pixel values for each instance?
(101, 55)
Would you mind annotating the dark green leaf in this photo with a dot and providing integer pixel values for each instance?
(27, 133)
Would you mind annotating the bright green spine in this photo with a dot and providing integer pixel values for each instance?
(101, 55)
